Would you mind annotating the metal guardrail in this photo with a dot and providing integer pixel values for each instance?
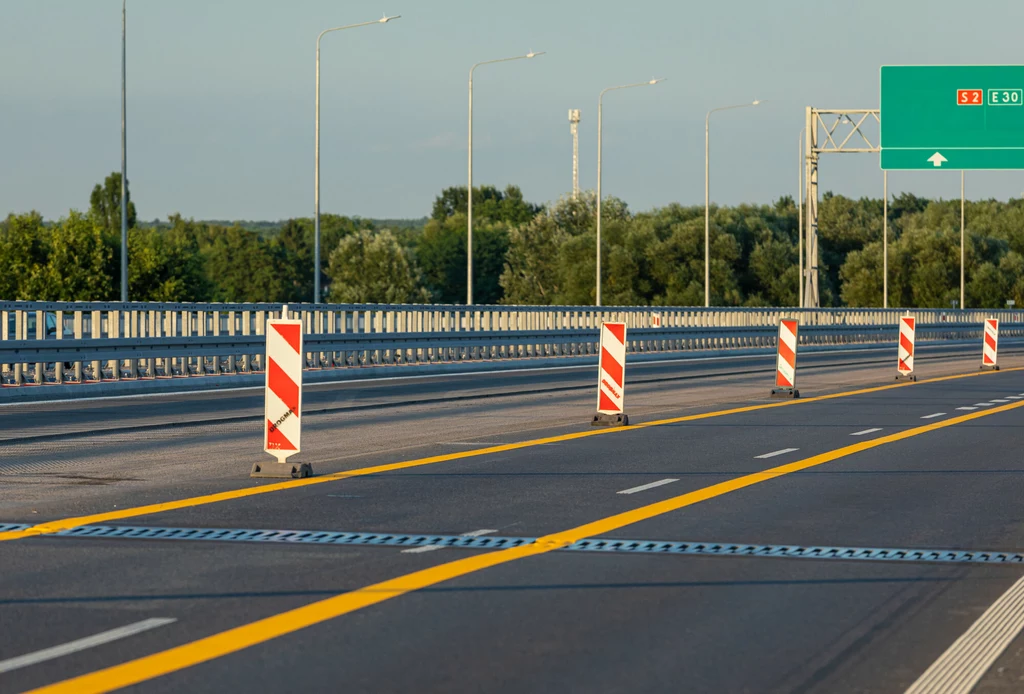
(80, 342)
(112, 342)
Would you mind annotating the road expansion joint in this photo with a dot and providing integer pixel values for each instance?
(484, 539)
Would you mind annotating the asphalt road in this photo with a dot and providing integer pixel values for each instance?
(903, 467)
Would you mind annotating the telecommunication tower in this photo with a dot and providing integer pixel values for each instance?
(574, 123)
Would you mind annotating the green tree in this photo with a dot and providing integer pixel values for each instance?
(295, 244)
(773, 263)
(678, 259)
(75, 268)
(105, 204)
(988, 287)
(441, 255)
(371, 267)
(844, 226)
(242, 267)
(530, 274)
(166, 265)
(861, 277)
(489, 204)
(24, 248)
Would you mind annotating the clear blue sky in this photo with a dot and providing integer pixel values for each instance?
(220, 110)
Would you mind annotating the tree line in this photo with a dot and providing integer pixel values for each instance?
(526, 253)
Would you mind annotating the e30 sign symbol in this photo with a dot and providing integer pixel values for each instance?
(969, 97)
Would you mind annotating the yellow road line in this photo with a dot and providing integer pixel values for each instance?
(57, 526)
(263, 630)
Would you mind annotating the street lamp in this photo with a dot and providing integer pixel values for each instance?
(124, 159)
(800, 223)
(707, 204)
(316, 176)
(469, 200)
(600, 104)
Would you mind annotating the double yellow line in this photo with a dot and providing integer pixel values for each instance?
(239, 638)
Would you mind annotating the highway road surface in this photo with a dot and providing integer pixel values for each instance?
(473, 533)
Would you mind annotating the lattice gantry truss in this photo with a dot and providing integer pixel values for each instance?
(843, 131)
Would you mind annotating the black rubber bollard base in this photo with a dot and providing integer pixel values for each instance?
(610, 420)
(987, 367)
(906, 377)
(281, 470)
(785, 393)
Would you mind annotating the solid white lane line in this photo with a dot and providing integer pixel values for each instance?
(645, 487)
(1001, 401)
(82, 644)
(966, 661)
(866, 431)
(967, 409)
(983, 404)
(431, 548)
(775, 453)
(934, 415)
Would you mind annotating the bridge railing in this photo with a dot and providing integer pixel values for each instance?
(78, 342)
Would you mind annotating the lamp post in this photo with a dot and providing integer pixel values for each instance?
(963, 301)
(800, 223)
(316, 174)
(600, 104)
(707, 203)
(124, 156)
(469, 192)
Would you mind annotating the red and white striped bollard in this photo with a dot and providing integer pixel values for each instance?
(990, 346)
(905, 354)
(611, 377)
(785, 360)
(282, 427)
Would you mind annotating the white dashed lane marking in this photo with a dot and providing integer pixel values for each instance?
(866, 431)
(775, 453)
(431, 548)
(645, 487)
(933, 416)
(82, 644)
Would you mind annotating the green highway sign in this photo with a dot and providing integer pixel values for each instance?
(952, 117)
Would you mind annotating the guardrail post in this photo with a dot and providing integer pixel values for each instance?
(5, 329)
(114, 332)
(315, 326)
(215, 319)
(38, 375)
(261, 321)
(201, 331)
(76, 329)
(186, 332)
(246, 365)
(132, 324)
(58, 366)
(20, 331)
(96, 333)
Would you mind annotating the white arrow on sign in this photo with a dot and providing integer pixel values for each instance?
(937, 159)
